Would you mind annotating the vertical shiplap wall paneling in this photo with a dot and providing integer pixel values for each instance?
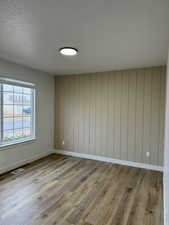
(139, 114)
(71, 112)
(67, 108)
(147, 115)
(162, 112)
(59, 108)
(107, 125)
(76, 109)
(68, 131)
(87, 112)
(92, 113)
(61, 112)
(66, 115)
(71, 107)
(81, 117)
(124, 115)
(117, 114)
(84, 113)
(98, 114)
(132, 115)
(103, 114)
(155, 116)
(110, 116)
(113, 103)
(57, 112)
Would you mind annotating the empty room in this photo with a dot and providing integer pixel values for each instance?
(84, 112)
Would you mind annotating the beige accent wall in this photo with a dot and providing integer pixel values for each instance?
(116, 114)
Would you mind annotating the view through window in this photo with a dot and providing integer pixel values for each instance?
(16, 113)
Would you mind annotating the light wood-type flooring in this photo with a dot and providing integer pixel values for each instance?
(62, 190)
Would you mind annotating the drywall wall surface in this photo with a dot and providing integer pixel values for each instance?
(16, 154)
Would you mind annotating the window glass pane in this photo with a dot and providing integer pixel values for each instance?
(8, 88)
(27, 132)
(18, 123)
(18, 89)
(18, 134)
(8, 110)
(8, 98)
(27, 90)
(8, 124)
(27, 99)
(18, 99)
(27, 122)
(18, 110)
(8, 135)
(27, 110)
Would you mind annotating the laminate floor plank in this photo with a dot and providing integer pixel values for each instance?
(63, 190)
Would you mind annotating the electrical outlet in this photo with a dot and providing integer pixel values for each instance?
(63, 142)
(148, 154)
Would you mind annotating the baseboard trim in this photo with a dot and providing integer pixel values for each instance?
(25, 161)
(111, 160)
(81, 155)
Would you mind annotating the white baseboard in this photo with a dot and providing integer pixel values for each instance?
(107, 159)
(25, 161)
(80, 155)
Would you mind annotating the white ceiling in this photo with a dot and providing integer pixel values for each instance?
(110, 34)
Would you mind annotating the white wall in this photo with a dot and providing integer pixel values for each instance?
(21, 153)
(166, 155)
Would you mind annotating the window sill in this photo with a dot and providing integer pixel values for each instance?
(3, 146)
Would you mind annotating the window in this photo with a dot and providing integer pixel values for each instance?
(17, 114)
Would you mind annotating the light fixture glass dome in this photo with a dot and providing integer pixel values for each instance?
(69, 51)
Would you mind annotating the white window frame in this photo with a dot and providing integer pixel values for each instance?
(5, 80)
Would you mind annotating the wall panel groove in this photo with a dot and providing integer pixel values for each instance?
(117, 114)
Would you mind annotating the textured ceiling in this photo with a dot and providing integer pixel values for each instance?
(110, 34)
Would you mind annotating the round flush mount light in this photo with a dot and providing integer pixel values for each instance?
(68, 51)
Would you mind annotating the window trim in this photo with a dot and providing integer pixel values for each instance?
(22, 141)
(7, 80)
(21, 84)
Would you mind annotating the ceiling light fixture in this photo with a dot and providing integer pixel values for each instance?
(68, 51)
